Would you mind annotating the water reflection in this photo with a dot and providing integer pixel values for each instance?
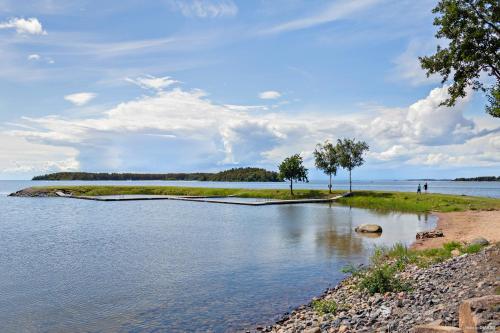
(71, 265)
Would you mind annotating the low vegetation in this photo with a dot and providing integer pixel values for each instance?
(418, 203)
(326, 306)
(382, 275)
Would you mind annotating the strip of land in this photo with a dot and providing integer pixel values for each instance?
(377, 200)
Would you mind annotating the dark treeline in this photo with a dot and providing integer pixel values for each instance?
(232, 175)
(479, 179)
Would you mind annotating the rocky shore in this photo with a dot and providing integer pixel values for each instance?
(435, 295)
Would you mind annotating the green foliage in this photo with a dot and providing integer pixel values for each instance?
(232, 175)
(326, 159)
(350, 154)
(452, 246)
(382, 278)
(323, 306)
(472, 31)
(292, 169)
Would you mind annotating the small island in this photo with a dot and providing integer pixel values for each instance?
(231, 175)
(479, 179)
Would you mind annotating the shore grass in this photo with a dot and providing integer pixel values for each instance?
(377, 200)
(418, 203)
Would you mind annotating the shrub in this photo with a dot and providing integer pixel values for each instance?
(324, 306)
(381, 279)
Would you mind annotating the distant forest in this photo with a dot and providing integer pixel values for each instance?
(232, 175)
(479, 179)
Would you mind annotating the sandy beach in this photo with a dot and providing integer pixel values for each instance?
(464, 227)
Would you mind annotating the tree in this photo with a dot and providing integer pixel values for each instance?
(292, 169)
(327, 160)
(350, 155)
(472, 28)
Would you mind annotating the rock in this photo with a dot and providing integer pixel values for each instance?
(343, 329)
(430, 234)
(313, 330)
(370, 228)
(480, 241)
(455, 253)
(471, 312)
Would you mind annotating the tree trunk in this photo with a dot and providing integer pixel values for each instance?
(350, 182)
(330, 185)
(291, 187)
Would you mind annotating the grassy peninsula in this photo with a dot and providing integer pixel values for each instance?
(382, 201)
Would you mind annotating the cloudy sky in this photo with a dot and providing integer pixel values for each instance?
(204, 85)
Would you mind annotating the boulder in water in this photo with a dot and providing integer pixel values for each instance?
(371, 228)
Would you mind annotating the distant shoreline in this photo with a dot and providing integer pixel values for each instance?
(231, 175)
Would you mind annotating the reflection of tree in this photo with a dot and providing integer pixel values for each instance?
(294, 222)
(336, 241)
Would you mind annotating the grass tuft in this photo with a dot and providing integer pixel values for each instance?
(324, 306)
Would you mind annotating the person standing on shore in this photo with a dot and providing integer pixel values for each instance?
(425, 187)
(419, 189)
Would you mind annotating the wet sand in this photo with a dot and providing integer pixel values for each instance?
(464, 227)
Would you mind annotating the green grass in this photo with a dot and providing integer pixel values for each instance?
(381, 201)
(423, 203)
(97, 190)
(400, 255)
(324, 306)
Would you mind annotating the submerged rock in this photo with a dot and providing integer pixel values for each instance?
(375, 228)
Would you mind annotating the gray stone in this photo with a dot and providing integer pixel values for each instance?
(480, 241)
(369, 228)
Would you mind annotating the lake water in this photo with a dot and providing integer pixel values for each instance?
(172, 266)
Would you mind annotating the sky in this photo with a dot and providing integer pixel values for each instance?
(207, 85)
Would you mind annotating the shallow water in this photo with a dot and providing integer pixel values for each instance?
(77, 265)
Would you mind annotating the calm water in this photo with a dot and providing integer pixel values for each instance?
(167, 266)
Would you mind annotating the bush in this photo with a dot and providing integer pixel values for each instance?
(324, 306)
(381, 279)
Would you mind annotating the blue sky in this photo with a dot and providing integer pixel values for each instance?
(205, 85)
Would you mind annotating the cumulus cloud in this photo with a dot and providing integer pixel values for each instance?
(152, 82)
(183, 130)
(270, 94)
(205, 8)
(29, 26)
(80, 99)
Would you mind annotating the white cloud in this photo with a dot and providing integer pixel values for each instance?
(80, 99)
(270, 94)
(205, 8)
(152, 82)
(333, 12)
(183, 130)
(34, 57)
(29, 26)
